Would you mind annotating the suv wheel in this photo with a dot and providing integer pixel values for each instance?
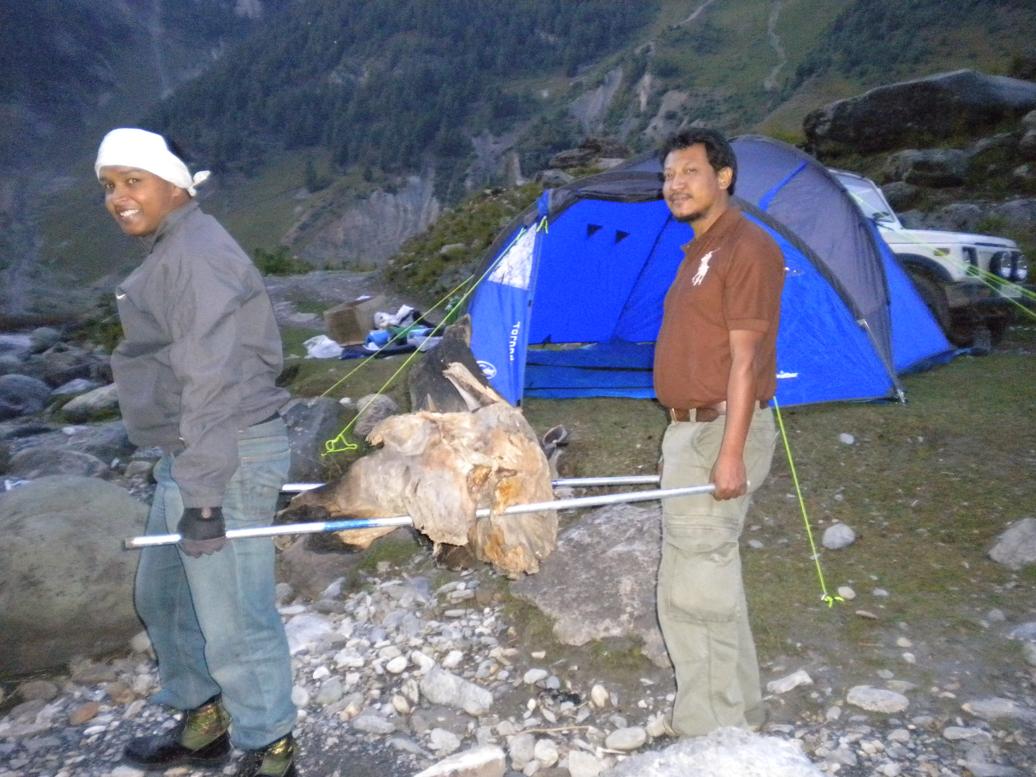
(935, 299)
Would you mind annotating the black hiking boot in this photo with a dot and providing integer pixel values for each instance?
(277, 759)
(200, 739)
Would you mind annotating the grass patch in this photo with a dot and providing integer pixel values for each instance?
(529, 623)
(391, 549)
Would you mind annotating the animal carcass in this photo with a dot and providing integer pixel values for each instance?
(439, 468)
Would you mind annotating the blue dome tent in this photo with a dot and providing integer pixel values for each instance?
(571, 301)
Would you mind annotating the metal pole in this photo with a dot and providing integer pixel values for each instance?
(616, 480)
(321, 527)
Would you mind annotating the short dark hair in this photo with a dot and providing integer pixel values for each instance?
(718, 150)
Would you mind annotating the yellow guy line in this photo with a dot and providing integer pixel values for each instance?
(826, 597)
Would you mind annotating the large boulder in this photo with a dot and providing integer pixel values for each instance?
(1015, 215)
(66, 584)
(942, 106)
(106, 441)
(311, 422)
(928, 167)
(100, 403)
(41, 461)
(63, 362)
(44, 337)
(586, 605)
(21, 395)
(17, 347)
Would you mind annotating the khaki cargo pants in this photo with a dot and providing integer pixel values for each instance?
(701, 598)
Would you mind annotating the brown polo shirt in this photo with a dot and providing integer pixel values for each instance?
(731, 278)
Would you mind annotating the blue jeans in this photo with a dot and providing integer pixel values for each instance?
(213, 620)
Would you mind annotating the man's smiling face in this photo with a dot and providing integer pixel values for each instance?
(138, 200)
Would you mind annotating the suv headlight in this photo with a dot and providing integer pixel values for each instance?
(1002, 265)
(1021, 269)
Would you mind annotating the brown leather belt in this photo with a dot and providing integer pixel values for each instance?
(702, 414)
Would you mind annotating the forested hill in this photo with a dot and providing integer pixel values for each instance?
(342, 127)
(69, 65)
(393, 84)
(398, 85)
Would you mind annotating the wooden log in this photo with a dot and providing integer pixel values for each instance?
(439, 468)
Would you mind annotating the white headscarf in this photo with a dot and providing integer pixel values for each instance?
(131, 147)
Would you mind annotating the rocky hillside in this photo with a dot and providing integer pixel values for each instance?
(68, 72)
(339, 127)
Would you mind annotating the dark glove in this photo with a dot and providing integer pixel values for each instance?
(200, 535)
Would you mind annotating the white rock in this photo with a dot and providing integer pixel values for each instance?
(838, 536)
(983, 769)
(582, 764)
(349, 658)
(486, 761)
(423, 662)
(877, 699)
(727, 752)
(372, 723)
(626, 739)
(785, 684)
(656, 725)
(443, 741)
(400, 704)
(1016, 547)
(126, 771)
(846, 439)
(1024, 631)
(140, 643)
(846, 593)
(453, 659)
(299, 696)
(397, 665)
(833, 713)
(546, 752)
(995, 707)
(534, 676)
(599, 696)
(966, 733)
(899, 735)
(442, 687)
(330, 692)
(521, 748)
(305, 630)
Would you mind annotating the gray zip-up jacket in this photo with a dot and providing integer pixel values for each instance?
(200, 351)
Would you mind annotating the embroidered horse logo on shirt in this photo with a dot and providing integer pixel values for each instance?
(703, 270)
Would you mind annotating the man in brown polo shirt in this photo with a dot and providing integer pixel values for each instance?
(715, 371)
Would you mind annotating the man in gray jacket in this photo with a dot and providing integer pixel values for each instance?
(195, 373)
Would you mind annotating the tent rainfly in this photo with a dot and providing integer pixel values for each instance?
(571, 300)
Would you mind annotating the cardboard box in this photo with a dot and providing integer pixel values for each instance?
(349, 323)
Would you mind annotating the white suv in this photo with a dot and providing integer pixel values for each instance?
(967, 281)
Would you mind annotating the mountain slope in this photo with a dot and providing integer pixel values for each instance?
(338, 127)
